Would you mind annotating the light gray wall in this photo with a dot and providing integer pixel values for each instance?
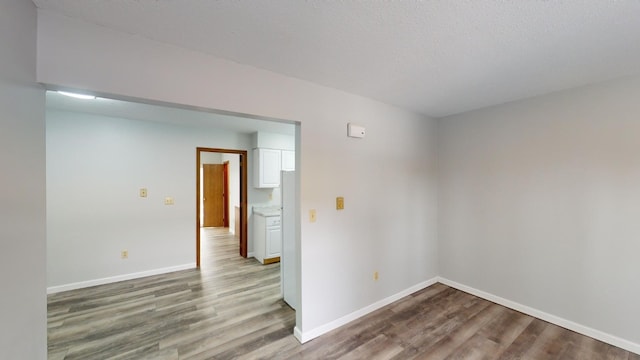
(22, 194)
(210, 158)
(387, 179)
(274, 141)
(95, 168)
(539, 203)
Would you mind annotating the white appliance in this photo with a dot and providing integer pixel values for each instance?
(288, 225)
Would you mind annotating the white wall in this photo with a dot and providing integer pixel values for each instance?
(95, 168)
(388, 179)
(274, 141)
(22, 191)
(210, 158)
(539, 203)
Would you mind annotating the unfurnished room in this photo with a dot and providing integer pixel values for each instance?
(319, 179)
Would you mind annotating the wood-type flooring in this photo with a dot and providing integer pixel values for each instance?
(231, 309)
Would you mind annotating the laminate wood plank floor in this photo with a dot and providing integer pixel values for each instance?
(231, 309)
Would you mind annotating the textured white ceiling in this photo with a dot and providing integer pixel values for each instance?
(433, 57)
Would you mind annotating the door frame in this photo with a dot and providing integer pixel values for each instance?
(243, 198)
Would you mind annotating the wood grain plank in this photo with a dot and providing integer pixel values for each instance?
(231, 308)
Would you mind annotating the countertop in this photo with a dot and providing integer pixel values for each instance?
(267, 210)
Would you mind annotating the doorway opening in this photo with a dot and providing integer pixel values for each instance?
(214, 179)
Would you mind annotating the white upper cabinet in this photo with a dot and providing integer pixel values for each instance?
(288, 160)
(266, 167)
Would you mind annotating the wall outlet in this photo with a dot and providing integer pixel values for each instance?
(143, 192)
(339, 203)
(375, 276)
(124, 254)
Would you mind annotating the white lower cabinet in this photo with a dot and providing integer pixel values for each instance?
(274, 236)
(268, 238)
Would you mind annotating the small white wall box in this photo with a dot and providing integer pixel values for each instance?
(355, 131)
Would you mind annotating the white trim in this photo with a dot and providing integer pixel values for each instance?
(112, 279)
(567, 324)
(250, 255)
(297, 334)
(320, 330)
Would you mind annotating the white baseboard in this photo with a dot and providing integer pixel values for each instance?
(567, 324)
(112, 279)
(297, 334)
(250, 255)
(314, 333)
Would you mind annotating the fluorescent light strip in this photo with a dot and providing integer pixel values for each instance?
(77, 96)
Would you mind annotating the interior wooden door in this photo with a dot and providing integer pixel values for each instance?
(212, 193)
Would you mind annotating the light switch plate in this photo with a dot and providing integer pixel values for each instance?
(339, 203)
(312, 215)
(143, 192)
(168, 200)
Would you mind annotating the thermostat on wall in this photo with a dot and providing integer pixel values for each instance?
(355, 131)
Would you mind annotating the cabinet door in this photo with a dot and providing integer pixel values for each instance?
(267, 168)
(274, 242)
(259, 237)
(288, 160)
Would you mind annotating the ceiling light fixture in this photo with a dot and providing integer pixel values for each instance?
(77, 96)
